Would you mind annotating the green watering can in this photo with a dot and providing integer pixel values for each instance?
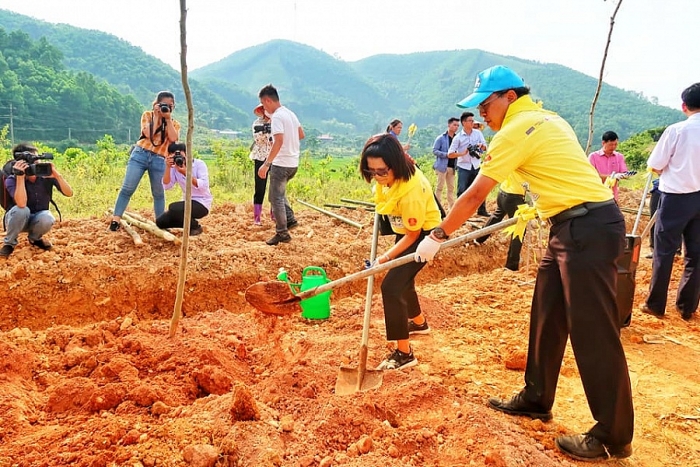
(318, 306)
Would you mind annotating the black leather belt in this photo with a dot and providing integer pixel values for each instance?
(578, 211)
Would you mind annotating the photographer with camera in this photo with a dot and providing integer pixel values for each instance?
(158, 130)
(262, 144)
(201, 196)
(467, 147)
(30, 186)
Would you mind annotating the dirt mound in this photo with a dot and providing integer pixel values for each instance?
(89, 376)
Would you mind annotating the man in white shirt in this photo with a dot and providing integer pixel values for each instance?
(283, 161)
(467, 147)
(675, 158)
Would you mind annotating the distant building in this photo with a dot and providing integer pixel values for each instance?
(325, 137)
(228, 133)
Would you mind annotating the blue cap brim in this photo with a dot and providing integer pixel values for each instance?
(473, 99)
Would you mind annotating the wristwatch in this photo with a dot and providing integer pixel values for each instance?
(439, 234)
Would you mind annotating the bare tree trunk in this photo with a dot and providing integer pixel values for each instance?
(600, 78)
(177, 312)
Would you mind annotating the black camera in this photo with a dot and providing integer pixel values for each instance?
(178, 159)
(265, 128)
(475, 150)
(39, 169)
(165, 108)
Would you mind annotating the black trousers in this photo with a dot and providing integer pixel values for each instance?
(399, 294)
(678, 220)
(507, 204)
(574, 298)
(174, 217)
(260, 184)
(653, 206)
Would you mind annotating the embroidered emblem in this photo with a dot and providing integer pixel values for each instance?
(412, 221)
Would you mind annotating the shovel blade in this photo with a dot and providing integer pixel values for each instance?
(351, 380)
(273, 298)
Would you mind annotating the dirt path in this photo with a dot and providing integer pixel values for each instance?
(88, 376)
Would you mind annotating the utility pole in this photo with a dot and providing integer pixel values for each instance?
(12, 127)
(129, 139)
(68, 133)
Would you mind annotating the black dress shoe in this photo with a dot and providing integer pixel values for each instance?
(649, 311)
(279, 238)
(686, 315)
(588, 448)
(517, 405)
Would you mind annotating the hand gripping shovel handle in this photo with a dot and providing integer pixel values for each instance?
(403, 260)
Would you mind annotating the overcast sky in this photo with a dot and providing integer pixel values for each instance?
(654, 46)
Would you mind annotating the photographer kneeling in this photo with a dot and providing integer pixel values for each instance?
(201, 196)
(30, 186)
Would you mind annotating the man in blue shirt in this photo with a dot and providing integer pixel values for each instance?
(444, 166)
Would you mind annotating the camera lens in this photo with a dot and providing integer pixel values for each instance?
(165, 108)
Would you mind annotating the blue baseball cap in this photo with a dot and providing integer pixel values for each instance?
(494, 79)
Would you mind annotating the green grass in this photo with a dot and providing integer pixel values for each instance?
(96, 177)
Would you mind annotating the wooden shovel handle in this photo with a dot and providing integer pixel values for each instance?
(403, 260)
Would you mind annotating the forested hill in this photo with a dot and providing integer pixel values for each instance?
(126, 67)
(428, 84)
(41, 100)
(331, 95)
(421, 87)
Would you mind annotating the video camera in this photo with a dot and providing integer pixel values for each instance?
(475, 150)
(178, 159)
(38, 169)
(265, 128)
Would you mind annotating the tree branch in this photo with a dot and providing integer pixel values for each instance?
(600, 78)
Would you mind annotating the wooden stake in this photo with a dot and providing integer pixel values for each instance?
(132, 232)
(331, 214)
(177, 309)
(165, 235)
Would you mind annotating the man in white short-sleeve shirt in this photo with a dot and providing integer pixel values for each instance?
(283, 161)
(676, 159)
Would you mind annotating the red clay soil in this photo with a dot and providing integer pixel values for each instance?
(90, 377)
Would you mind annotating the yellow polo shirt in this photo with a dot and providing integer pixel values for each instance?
(513, 185)
(539, 147)
(416, 208)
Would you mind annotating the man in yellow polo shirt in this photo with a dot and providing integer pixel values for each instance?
(574, 296)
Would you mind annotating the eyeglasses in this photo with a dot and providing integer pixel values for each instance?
(483, 106)
(377, 172)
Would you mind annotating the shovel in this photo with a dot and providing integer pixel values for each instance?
(275, 297)
(351, 380)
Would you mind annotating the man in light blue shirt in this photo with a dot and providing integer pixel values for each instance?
(467, 147)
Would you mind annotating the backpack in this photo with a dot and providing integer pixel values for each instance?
(7, 202)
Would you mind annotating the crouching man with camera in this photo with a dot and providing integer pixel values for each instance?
(30, 189)
(176, 173)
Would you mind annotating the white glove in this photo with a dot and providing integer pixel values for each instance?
(619, 175)
(426, 250)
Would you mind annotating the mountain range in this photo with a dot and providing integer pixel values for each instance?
(338, 97)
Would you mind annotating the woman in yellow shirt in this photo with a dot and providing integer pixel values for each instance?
(404, 195)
